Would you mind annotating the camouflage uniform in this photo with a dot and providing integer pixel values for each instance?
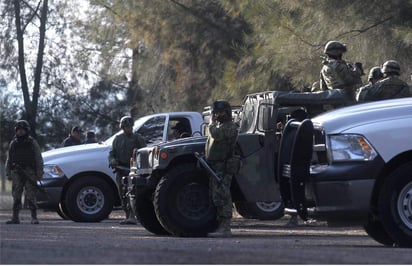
(388, 88)
(337, 74)
(219, 146)
(375, 74)
(24, 167)
(120, 154)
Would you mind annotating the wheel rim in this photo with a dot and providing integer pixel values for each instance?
(405, 205)
(268, 206)
(90, 200)
(193, 201)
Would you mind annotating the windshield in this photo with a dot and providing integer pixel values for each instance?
(137, 124)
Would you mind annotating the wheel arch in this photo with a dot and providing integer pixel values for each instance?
(389, 167)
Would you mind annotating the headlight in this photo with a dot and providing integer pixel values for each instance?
(52, 171)
(351, 148)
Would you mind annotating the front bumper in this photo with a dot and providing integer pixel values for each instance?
(51, 192)
(343, 190)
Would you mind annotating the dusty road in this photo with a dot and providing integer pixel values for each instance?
(57, 241)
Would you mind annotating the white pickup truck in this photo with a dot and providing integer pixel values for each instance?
(353, 166)
(78, 182)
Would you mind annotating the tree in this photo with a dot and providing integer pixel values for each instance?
(22, 21)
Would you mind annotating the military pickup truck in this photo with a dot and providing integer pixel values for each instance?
(78, 182)
(170, 190)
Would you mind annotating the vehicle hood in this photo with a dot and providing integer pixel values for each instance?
(80, 158)
(183, 142)
(344, 119)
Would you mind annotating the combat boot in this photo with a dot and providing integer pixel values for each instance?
(223, 230)
(130, 219)
(34, 216)
(15, 219)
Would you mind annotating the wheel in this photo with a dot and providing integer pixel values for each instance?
(375, 230)
(146, 214)
(182, 202)
(395, 205)
(260, 210)
(89, 199)
(62, 212)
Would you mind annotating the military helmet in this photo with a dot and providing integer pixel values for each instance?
(222, 106)
(22, 124)
(375, 73)
(334, 48)
(126, 121)
(391, 66)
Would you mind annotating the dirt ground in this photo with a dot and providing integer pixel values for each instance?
(58, 241)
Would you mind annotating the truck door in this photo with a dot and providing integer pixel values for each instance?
(256, 178)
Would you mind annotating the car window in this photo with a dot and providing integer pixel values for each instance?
(152, 130)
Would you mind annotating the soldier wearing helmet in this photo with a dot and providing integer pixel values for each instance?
(338, 74)
(24, 167)
(391, 86)
(375, 74)
(119, 159)
(219, 147)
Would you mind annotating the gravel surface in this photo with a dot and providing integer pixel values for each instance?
(58, 241)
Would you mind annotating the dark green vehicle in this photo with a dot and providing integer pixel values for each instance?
(169, 188)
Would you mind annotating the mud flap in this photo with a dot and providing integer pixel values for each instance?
(301, 155)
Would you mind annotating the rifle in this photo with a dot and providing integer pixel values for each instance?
(29, 178)
(202, 161)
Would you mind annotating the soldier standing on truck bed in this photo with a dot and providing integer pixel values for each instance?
(375, 74)
(219, 147)
(338, 74)
(119, 159)
(24, 167)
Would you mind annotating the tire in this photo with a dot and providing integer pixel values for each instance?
(260, 210)
(146, 214)
(62, 211)
(395, 205)
(182, 202)
(89, 199)
(376, 231)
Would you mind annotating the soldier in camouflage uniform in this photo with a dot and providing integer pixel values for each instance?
(338, 74)
(24, 167)
(375, 74)
(390, 87)
(219, 147)
(119, 159)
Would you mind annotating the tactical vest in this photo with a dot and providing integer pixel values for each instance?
(22, 153)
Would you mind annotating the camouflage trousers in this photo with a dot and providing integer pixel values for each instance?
(20, 184)
(220, 192)
(122, 188)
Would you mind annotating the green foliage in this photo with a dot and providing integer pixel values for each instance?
(147, 56)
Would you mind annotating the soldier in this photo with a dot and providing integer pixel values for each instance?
(74, 138)
(337, 74)
(219, 147)
(90, 137)
(119, 159)
(24, 167)
(179, 131)
(390, 87)
(375, 74)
